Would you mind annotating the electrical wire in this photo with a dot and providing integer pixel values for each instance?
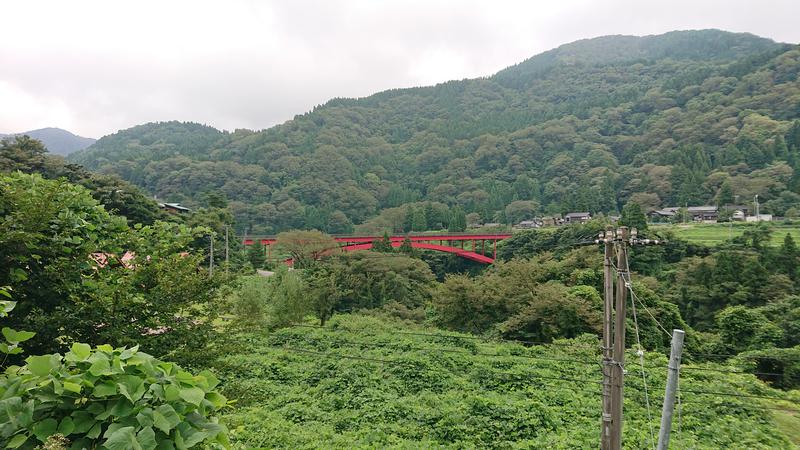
(773, 358)
(729, 394)
(711, 369)
(743, 406)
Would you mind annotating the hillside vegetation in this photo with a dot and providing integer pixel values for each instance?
(687, 117)
(367, 382)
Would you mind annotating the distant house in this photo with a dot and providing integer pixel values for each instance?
(760, 218)
(551, 221)
(174, 208)
(694, 213)
(577, 217)
(536, 222)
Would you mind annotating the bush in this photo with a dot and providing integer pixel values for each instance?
(118, 398)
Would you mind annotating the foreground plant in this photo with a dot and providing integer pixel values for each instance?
(111, 398)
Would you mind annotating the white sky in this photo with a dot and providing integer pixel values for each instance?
(96, 66)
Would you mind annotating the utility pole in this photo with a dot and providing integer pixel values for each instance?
(614, 307)
(608, 303)
(211, 258)
(618, 362)
(758, 215)
(672, 386)
(227, 261)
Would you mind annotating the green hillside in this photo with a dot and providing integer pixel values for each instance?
(689, 117)
(366, 382)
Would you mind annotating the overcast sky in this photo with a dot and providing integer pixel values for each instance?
(94, 67)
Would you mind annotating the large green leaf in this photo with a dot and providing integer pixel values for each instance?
(45, 428)
(147, 438)
(100, 367)
(122, 439)
(165, 418)
(41, 365)
(15, 336)
(104, 389)
(79, 352)
(192, 395)
(67, 426)
(83, 421)
(131, 386)
(17, 440)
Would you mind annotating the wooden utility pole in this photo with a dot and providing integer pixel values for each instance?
(614, 306)
(618, 362)
(608, 304)
(671, 389)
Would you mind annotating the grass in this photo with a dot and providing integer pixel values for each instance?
(716, 233)
(789, 423)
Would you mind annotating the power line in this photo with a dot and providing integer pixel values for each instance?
(711, 369)
(775, 358)
(743, 406)
(729, 394)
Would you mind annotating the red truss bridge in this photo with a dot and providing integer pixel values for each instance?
(475, 247)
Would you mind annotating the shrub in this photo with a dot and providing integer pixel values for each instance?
(118, 398)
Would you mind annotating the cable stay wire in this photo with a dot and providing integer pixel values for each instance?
(629, 285)
(640, 353)
(445, 350)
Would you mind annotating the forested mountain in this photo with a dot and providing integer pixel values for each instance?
(688, 117)
(57, 141)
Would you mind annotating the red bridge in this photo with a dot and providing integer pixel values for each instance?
(468, 246)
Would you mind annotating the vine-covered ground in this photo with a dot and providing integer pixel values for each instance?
(370, 382)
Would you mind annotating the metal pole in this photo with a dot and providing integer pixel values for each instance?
(227, 261)
(608, 305)
(211, 258)
(672, 386)
(618, 385)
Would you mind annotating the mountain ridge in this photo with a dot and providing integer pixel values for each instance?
(552, 131)
(57, 140)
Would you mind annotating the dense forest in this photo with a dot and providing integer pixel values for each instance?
(690, 117)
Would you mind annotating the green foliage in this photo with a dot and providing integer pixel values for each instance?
(310, 388)
(529, 243)
(115, 398)
(743, 328)
(256, 255)
(305, 247)
(30, 156)
(365, 280)
(81, 274)
(633, 217)
(290, 299)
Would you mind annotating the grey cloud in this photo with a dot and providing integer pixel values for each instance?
(96, 67)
